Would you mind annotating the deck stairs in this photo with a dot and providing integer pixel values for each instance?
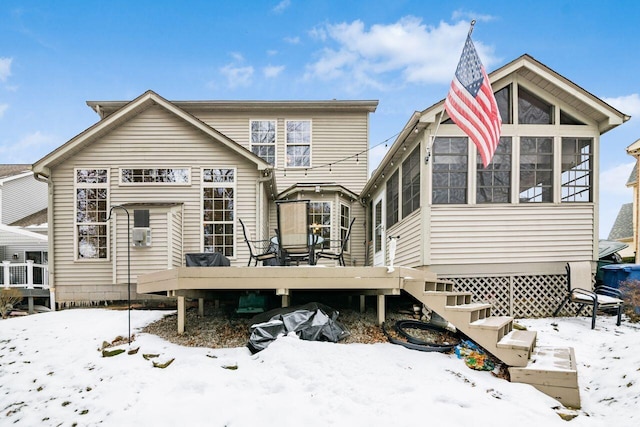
(551, 370)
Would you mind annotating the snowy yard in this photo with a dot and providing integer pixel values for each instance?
(53, 373)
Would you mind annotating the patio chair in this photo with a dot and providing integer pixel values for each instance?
(580, 290)
(293, 232)
(260, 250)
(338, 253)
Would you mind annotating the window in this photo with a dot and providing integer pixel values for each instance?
(345, 219)
(263, 140)
(532, 109)
(320, 220)
(536, 170)
(503, 99)
(577, 170)
(393, 202)
(450, 160)
(494, 181)
(155, 176)
(411, 183)
(91, 200)
(218, 210)
(298, 143)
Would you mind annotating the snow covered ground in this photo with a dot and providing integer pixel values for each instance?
(53, 373)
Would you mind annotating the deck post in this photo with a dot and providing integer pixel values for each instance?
(363, 308)
(182, 312)
(285, 296)
(201, 307)
(381, 309)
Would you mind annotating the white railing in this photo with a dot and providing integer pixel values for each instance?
(21, 275)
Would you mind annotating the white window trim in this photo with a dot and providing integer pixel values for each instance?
(76, 185)
(275, 142)
(235, 204)
(154, 184)
(286, 143)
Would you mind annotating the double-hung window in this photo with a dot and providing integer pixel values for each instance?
(218, 210)
(91, 201)
(298, 143)
(263, 140)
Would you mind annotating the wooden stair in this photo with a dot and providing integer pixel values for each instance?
(550, 370)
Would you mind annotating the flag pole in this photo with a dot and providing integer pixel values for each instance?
(433, 137)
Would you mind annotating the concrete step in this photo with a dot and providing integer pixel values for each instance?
(552, 370)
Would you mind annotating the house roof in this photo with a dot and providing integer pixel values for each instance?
(633, 176)
(526, 68)
(8, 171)
(127, 111)
(37, 218)
(106, 108)
(623, 225)
(10, 235)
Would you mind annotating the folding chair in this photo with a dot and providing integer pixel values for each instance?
(580, 290)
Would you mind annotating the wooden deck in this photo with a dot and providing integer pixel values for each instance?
(194, 282)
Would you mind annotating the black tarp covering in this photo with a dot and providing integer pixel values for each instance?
(311, 322)
(206, 259)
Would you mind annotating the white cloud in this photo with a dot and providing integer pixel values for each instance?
(28, 149)
(5, 68)
(3, 108)
(272, 71)
(613, 181)
(237, 76)
(470, 16)
(237, 56)
(629, 104)
(282, 6)
(420, 53)
(292, 40)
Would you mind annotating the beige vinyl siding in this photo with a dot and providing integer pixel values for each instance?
(22, 197)
(409, 246)
(335, 136)
(511, 234)
(153, 139)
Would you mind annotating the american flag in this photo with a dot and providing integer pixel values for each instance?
(472, 105)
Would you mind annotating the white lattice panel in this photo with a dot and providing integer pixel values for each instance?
(518, 296)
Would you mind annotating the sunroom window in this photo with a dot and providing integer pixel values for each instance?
(577, 170)
(450, 163)
(536, 169)
(320, 220)
(393, 199)
(411, 183)
(494, 181)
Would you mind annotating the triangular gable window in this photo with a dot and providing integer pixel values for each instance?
(532, 110)
(566, 119)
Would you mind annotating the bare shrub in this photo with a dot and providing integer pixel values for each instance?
(9, 297)
(631, 296)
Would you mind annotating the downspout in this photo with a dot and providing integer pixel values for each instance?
(50, 233)
(259, 202)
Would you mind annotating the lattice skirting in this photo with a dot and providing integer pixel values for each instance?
(518, 296)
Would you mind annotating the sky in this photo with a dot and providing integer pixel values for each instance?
(54, 56)
(52, 373)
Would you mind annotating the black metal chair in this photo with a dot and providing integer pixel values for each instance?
(260, 250)
(338, 253)
(294, 241)
(580, 290)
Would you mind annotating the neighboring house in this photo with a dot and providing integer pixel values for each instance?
(185, 171)
(632, 182)
(504, 232)
(623, 229)
(23, 228)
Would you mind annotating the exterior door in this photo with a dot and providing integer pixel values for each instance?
(378, 231)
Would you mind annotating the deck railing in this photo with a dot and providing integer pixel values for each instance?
(27, 275)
